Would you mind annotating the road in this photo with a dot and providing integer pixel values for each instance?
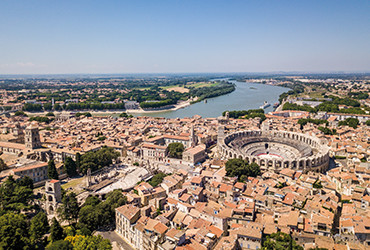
(113, 237)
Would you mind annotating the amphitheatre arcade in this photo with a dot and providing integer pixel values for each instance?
(275, 150)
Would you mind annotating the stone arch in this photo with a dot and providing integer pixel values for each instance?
(293, 165)
(50, 198)
(51, 208)
(286, 164)
(262, 162)
(269, 164)
(50, 189)
(308, 163)
(278, 164)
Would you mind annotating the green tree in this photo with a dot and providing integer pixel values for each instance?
(16, 195)
(92, 200)
(352, 122)
(157, 179)
(3, 165)
(280, 241)
(20, 113)
(175, 150)
(317, 184)
(123, 114)
(327, 131)
(56, 231)
(95, 214)
(13, 231)
(48, 106)
(90, 217)
(39, 227)
(69, 209)
(98, 159)
(26, 182)
(78, 161)
(113, 200)
(81, 242)
(239, 168)
(70, 167)
(60, 245)
(52, 171)
(235, 167)
(57, 107)
(254, 170)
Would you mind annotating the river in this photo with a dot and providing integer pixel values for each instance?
(246, 96)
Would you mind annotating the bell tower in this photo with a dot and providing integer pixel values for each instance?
(193, 138)
(32, 137)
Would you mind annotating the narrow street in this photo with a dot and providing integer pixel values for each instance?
(117, 242)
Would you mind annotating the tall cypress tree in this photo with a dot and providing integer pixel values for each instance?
(39, 227)
(56, 231)
(78, 161)
(52, 171)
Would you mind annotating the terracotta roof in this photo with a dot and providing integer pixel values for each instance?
(128, 211)
(39, 165)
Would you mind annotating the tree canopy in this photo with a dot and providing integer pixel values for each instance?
(241, 169)
(157, 179)
(16, 195)
(81, 242)
(351, 122)
(52, 170)
(175, 150)
(60, 245)
(69, 209)
(56, 231)
(251, 113)
(96, 214)
(280, 241)
(39, 227)
(98, 159)
(70, 167)
(13, 231)
(3, 165)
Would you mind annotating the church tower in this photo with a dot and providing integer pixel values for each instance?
(193, 137)
(32, 137)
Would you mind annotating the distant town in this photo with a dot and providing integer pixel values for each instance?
(80, 166)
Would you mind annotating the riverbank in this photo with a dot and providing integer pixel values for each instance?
(175, 107)
(246, 96)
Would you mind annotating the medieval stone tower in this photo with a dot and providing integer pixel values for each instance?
(193, 137)
(32, 137)
(53, 193)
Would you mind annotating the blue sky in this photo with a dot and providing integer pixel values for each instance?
(155, 36)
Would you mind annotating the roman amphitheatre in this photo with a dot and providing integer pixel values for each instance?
(275, 150)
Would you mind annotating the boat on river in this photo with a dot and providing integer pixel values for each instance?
(265, 105)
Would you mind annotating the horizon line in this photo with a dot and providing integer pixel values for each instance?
(190, 73)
